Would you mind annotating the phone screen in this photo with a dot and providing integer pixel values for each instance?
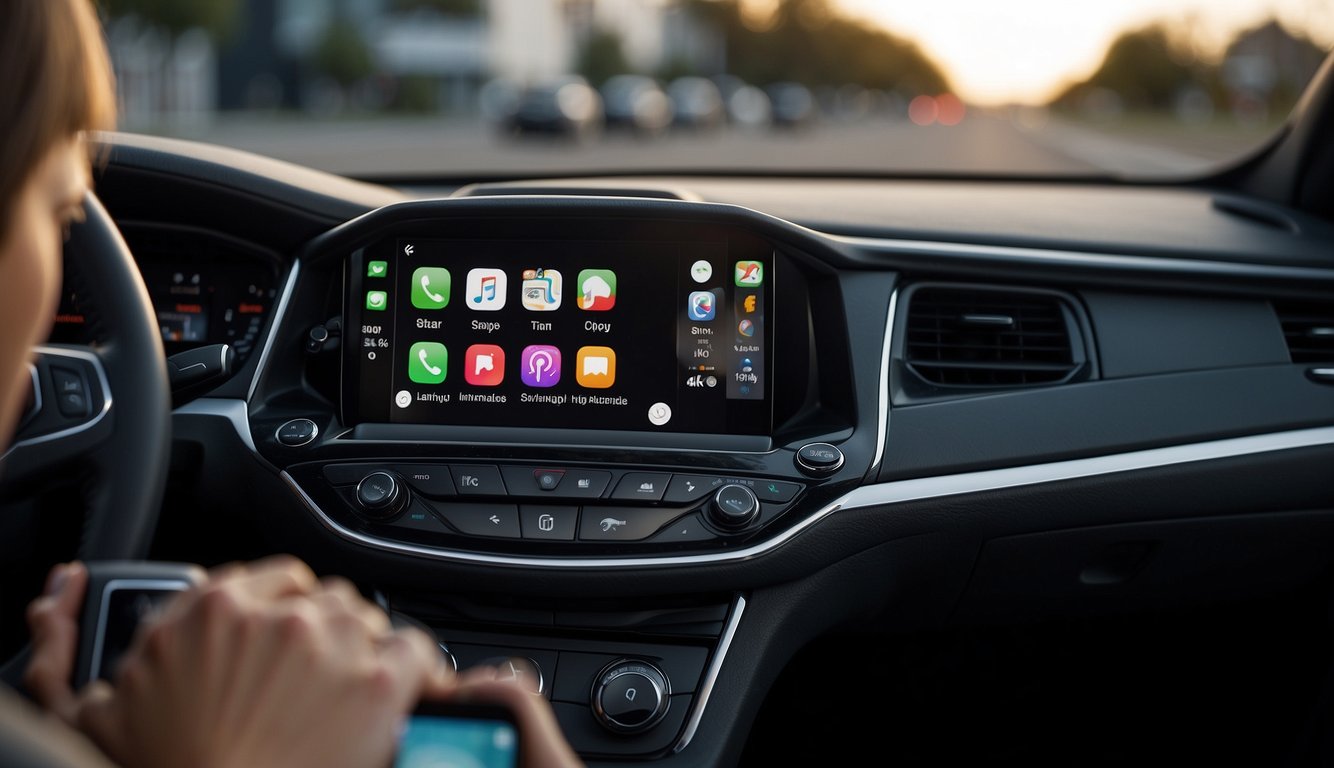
(458, 739)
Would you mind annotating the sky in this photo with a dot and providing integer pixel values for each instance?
(1003, 51)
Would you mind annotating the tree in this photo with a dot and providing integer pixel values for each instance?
(217, 17)
(342, 54)
(602, 57)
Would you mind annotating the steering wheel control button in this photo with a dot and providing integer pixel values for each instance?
(297, 432)
(480, 480)
(775, 491)
(686, 489)
(548, 523)
(427, 479)
(71, 392)
(734, 506)
(380, 495)
(641, 486)
(622, 523)
(630, 696)
(499, 521)
(819, 459)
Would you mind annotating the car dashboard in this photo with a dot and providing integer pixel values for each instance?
(645, 438)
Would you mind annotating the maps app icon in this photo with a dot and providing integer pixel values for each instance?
(541, 290)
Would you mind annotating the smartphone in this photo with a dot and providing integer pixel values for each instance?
(440, 735)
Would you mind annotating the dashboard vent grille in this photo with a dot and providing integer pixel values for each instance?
(1308, 328)
(976, 337)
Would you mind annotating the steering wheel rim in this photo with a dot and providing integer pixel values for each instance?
(123, 448)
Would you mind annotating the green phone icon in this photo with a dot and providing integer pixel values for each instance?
(377, 300)
(427, 361)
(377, 269)
(430, 288)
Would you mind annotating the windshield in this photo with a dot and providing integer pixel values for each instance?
(512, 88)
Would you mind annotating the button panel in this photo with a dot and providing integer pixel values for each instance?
(551, 504)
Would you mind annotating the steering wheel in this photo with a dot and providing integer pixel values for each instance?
(101, 411)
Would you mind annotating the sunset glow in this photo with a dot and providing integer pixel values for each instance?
(1026, 50)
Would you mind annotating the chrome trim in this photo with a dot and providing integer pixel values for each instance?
(60, 434)
(1057, 257)
(228, 408)
(279, 312)
(895, 492)
(711, 676)
(99, 637)
(882, 431)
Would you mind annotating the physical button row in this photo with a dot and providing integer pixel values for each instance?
(443, 481)
(546, 522)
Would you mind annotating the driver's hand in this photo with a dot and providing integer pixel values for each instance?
(53, 622)
(260, 665)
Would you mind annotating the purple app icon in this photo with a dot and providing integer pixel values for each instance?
(540, 365)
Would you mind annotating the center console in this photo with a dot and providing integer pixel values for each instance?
(571, 386)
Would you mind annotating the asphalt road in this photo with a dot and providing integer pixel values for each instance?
(983, 143)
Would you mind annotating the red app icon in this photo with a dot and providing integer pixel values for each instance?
(484, 365)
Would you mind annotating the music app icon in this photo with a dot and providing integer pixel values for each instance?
(486, 289)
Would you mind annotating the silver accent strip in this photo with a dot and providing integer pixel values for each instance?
(231, 409)
(99, 638)
(279, 312)
(76, 429)
(711, 676)
(895, 492)
(1055, 257)
(882, 431)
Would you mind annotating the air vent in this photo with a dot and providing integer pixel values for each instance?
(990, 339)
(1308, 327)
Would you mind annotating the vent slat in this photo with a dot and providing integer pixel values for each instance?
(1304, 329)
(948, 347)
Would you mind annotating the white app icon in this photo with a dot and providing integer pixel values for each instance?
(403, 399)
(484, 363)
(659, 414)
(541, 290)
(701, 271)
(486, 289)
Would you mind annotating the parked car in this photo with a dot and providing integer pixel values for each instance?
(637, 104)
(566, 106)
(696, 103)
(793, 105)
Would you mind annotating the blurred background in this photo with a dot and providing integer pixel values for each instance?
(459, 89)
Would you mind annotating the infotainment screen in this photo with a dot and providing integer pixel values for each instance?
(617, 335)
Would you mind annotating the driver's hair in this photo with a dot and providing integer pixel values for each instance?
(57, 82)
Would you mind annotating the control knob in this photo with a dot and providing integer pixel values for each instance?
(733, 507)
(381, 495)
(630, 696)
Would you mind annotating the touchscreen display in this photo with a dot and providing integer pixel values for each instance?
(644, 336)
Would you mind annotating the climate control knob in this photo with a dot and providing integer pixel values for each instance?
(630, 696)
(733, 507)
(380, 495)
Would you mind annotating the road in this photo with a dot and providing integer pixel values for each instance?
(983, 144)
